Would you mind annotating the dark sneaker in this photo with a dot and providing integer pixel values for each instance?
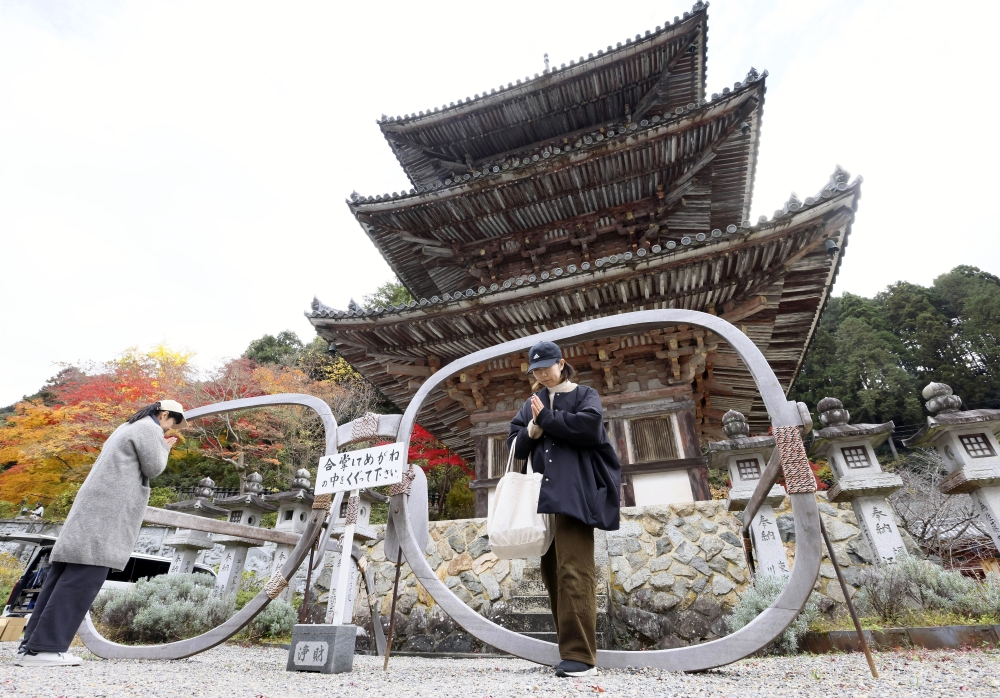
(568, 667)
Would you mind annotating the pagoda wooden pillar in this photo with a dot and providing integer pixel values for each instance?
(687, 433)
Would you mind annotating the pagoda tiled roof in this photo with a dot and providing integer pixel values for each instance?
(782, 260)
(617, 167)
(682, 250)
(663, 69)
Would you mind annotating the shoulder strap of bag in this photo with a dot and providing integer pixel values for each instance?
(510, 459)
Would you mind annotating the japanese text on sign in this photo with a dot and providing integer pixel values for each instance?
(369, 467)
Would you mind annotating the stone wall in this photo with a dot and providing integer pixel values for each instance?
(666, 578)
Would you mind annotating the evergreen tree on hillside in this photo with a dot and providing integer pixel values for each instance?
(876, 354)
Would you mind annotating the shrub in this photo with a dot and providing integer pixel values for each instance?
(162, 609)
(760, 596)
(59, 507)
(10, 572)
(891, 592)
(460, 502)
(250, 586)
(8, 510)
(276, 620)
(161, 496)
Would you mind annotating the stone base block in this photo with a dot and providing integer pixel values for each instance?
(328, 649)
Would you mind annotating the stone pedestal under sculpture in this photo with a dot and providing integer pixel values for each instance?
(328, 649)
(187, 544)
(967, 442)
(745, 457)
(850, 451)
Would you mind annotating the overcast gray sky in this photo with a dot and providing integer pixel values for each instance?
(176, 172)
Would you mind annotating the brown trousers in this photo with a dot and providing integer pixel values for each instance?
(569, 577)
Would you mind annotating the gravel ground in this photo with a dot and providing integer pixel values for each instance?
(260, 673)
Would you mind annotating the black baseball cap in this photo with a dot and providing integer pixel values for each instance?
(543, 355)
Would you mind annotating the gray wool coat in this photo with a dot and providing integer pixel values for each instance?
(104, 522)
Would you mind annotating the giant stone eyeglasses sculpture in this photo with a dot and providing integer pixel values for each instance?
(789, 458)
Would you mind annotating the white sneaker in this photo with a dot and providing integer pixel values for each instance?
(47, 659)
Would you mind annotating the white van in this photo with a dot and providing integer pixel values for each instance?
(22, 597)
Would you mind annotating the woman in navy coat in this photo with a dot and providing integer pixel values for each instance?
(561, 428)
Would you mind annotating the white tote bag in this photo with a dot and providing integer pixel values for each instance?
(515, 527)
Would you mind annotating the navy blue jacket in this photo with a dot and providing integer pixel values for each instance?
(581, 471)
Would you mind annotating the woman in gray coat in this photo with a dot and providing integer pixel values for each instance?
(100, 531)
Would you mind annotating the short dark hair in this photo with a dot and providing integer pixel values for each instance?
(151, 411)
(147, 411)
(568, 372)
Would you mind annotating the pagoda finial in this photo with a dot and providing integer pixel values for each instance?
(546, 58)
(940, 398)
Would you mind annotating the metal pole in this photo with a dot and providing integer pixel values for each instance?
(847, 598)
(392, 613)
(305, 596)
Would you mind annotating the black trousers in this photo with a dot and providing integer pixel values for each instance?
(61, 606)
(569, 577)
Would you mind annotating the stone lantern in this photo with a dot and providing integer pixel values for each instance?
(745, 457)
(185, 542)
(967, 442)
(294, 507)
(850, 451)
(245, 509)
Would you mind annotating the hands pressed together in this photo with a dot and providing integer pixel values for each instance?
(170, 441)
(536, 407)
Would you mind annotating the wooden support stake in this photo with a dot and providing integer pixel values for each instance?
(392, 613)
(847, 598)
(305, 596)
(748, 553)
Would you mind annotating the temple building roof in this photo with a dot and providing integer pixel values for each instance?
(689, 172)
(647, 75)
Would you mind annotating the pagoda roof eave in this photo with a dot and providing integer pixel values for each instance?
(515, 289)
(431, 239)
(677, 123)
(427, 134)
(789, 268)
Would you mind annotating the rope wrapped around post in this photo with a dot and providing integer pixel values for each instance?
(352, 510)
(322, 501)
(275, 585)
(799, 478)
(403, 487)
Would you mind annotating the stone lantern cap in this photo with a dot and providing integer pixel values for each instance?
(735, 425)
(298, 492)
(943, 405)
(245, 501)
(836, 427)
(202, 504)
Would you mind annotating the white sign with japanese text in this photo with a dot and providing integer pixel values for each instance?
(367, 467)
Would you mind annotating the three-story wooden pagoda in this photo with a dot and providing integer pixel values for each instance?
(606, 186)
